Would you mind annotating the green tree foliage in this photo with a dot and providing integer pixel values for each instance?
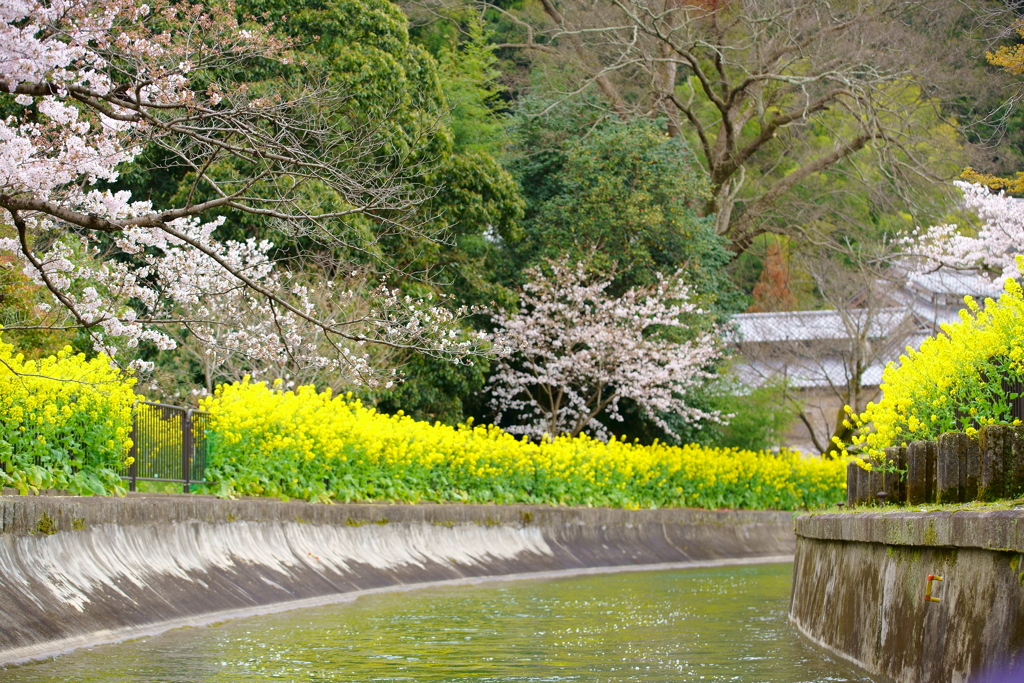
(469, 79)
(364, 46)
(25, 321)
(434, 390)
(771, 94)
(758, 419)
(482, 205)
(431, 115)
(476, 197)
(432, 108)
(624, 194)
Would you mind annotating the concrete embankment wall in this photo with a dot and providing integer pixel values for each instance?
(859, 583)
(80, 571)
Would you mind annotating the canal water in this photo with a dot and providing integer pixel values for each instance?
(725, 624)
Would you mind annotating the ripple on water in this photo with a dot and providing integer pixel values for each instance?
(725, 624)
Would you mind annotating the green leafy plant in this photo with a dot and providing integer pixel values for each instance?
(64, 422)
(760, 416)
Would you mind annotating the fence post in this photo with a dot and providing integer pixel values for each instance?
(949, 480)
(994, 442)
(851, 484)
(187, 446)
(876, 482)
(1015, 467)
(970, 469)
(863, 486)
(921, 472)
(133, 452)
(895, 485)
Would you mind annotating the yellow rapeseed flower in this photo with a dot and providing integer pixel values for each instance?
(339, 448)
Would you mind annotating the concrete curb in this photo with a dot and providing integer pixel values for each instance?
(22, 514)
(988, 530)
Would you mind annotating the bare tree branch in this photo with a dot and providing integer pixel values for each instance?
(754, 84)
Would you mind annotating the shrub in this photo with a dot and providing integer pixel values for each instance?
(64, 422)
(761, 416)
(304, 444)
(956, 381)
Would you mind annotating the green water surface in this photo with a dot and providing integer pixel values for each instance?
(726, 624)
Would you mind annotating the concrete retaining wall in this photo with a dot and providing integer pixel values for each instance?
(859, 583)
(79, 571)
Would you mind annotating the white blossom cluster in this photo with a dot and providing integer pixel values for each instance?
(45, 49)
(234, 299)
(992, 248)
(577, 353)
(95, 83)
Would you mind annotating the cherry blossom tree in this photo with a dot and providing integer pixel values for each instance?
(220, 354)
(991, 248)
(577, 352)
(95, 83)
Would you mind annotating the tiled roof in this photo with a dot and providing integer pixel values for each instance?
(955, 284)
(805, 375)
(816, 325)
(772, 341)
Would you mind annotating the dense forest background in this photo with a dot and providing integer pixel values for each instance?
(751, 146)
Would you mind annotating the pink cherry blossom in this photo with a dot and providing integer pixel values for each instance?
(574, 353)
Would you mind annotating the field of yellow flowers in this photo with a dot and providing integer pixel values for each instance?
(64, 422)
(955, 381)
(267, 442)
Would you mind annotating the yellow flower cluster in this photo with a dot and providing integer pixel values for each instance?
(64, 422)
(304, 444)
(955, 381)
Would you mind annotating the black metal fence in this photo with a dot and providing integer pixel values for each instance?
(169, 445)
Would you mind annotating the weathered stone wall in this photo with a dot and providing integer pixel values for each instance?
(859, 583)
(78, 571)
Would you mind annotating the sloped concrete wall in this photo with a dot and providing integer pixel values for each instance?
(78, 571)
(859, 584)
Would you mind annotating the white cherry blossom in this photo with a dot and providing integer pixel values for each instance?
(991, 248)
(575, 353)
(99, 80)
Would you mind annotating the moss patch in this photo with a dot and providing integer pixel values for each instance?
(47, 525)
